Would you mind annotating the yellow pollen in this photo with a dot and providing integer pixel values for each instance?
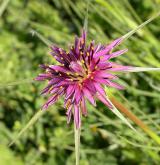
(76, 74)
(91, 77)
(60, 74)
(61, 87)
(68, 103)
(87, 54)
(101, 57)
(68, 73)
(61, 58)
(96, 67)
(82, 61)
(71, 79)
(92, 48)
(62, 64)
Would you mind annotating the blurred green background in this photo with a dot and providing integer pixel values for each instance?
(105, 139)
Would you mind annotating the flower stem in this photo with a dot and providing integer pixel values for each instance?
(77, 132)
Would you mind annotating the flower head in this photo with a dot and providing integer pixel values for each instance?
(81, 75)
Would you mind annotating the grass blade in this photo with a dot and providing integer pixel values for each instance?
(129, 34)
(28, 125)
(6, 85)
(136, 120)
(43, 39)
(119, 115)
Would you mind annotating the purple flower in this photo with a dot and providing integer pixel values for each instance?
(81, 75)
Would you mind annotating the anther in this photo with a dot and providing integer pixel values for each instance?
(82, 41)
(82, 61)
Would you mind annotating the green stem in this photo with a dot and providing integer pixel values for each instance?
(77, 132)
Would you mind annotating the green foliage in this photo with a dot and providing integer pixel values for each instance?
(105, 139)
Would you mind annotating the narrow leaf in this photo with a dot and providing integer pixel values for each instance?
(119, 115)
(140, 69)
(85, 26)
(3, 6)
(136, 120)
(43, 39)
(129, 34)
(28, 125)
(6, 85)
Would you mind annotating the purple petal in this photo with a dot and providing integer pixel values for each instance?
(77, 94)
(114, 54)
(108, 48)
(117, 67)
(43, 76)
(77, 120)
(69, 114)
(70, 91)
(58, 68)
(113, 84)
(76, 67)
(83, 107)
(89, 96)
(104, 100)
(105, 74)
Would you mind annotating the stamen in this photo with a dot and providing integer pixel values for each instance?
(82, 41)
(91, 77)
(68, 103)
(82, 61)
